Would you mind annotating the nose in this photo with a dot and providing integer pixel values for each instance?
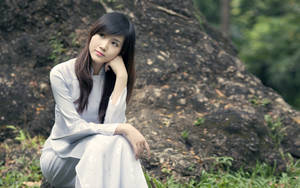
(104, 45)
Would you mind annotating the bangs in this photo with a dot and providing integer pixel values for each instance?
(112, 30)
(112, 24)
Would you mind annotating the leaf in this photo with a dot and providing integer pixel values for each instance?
(11, 127)
(219, 93)
(296, 119)
(31, 184)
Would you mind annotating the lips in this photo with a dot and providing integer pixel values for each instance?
(99, 53)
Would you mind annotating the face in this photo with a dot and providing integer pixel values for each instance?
(103, 47)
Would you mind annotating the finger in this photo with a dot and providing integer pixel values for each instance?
(144, 147)
(148, 149)
(135, 149)
(140, 149)
(106, 67)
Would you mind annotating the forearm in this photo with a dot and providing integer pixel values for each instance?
(121, 129)
(134, 137)
(121, 83)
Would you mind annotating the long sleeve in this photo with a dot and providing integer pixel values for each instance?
(69, 124)
(115, 113)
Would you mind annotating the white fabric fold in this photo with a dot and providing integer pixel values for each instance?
(71, 126)
(115, 112)
(80, 151)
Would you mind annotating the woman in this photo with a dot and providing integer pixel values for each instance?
(90, 144)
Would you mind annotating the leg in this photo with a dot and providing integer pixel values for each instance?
(59, 172)
(109, 161)
(106, 161)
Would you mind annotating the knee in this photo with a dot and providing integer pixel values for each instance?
(122, 142)
(45, 164)
(57, 171)
(106, 144)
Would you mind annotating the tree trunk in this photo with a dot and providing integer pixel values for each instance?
(225, 16)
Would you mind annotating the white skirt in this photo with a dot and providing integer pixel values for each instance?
(106, 162)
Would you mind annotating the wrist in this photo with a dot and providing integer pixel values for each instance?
(121, 129)
(122, 76)
(122, 80)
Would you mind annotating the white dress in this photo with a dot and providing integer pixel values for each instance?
(81, 152)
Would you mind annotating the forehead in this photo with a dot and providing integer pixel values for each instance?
(116, 37)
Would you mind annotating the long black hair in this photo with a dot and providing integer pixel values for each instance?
(115, 24)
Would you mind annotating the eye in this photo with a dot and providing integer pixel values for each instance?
(101, 35)
(115, 44)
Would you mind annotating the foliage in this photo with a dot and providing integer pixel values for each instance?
(222, 163)
(185, 134)
(58, 49)
(21, 167)
(259, 177)
(210, 9)
(199, 121)
(25, 139)
(29, 175)
(267, 35)
(259, 102)
(272, 52)
(74, 42)
(277, 130)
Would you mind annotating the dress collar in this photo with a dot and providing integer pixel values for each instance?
(101, 73)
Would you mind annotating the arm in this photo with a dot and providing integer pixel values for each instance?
(121, 83)
(135, 138)
(117, 102)
(70, 125)
(115, 112)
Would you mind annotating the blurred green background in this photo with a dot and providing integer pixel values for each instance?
(266, 34)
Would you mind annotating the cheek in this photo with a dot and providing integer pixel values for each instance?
(110, 57)
(91, 46)
(117, 52)
(114, 53)
(93, 43)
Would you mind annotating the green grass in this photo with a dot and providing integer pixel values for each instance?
(259, 102)
(277, 130)
(21, 169)
(58, 53)
(185, 134)
(199, 121)
(262, 176)
(29, 175)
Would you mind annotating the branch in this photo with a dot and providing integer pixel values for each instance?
(107, 9)
(171, 12)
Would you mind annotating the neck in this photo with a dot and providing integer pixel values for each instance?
(96, 68)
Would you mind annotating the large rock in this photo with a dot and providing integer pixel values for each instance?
(186, 71)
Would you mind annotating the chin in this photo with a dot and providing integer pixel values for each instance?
(97, 60)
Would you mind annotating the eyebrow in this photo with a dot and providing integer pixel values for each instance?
(117, 40)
